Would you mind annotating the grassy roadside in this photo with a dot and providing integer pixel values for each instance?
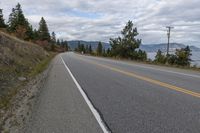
(42, 66)
(5, 100)
(15, 95)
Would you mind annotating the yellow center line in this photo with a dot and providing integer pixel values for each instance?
(131, 74)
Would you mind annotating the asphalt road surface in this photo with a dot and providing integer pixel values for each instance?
(60, 107)
(130, 97)
(139, 98)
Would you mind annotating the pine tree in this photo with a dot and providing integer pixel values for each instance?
(2, 23)
(108, 52)
(18, 24)
(43, 30)
(12, 21)
(104, 52)
(90, 49)
(29, 33)
(160, 57)
(62, 43)
(79, 47)
(183, 56)
(82, 50)
(126, 45)
(142, 55)
(66, 46)
(53, 37)
(35, 35)
(21, 20)
(53, 40)
(99, 48)
(58, 42)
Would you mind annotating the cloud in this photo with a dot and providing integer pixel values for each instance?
(102, 19)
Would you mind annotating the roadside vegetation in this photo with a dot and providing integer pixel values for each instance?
(19, 26)
(19, 62)
(24, 53)
(180, 58)
(21, 59)
(127, 46)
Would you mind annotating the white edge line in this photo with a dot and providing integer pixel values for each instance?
(94, 111)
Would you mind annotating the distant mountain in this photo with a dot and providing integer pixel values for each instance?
(146, 47)
(163, 47)
(73, 44)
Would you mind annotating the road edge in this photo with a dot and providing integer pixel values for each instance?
(89, 103)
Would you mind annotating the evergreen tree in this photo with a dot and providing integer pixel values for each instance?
(79, 47)
(43, 30)
(58, 42)
(170, 59)
(160, 57)
(104, 52)
(2, 23)
(125, 46)
(82, 48)
(52, 47)
(29, 33)
(12, 21)
(21, 20)
(66, 46)
(108, 52)
(183, 56)
(87, 49)
(99, 49)
(62, 43)
(18, 24)
(53, 41)
(90, 49)
(35, 35)
(53, 37)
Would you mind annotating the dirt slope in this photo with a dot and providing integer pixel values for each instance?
(17, 59)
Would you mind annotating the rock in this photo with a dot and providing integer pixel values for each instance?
(21, 78)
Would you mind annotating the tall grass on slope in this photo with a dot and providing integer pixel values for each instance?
(18, 59)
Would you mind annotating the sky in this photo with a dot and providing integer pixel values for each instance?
(100, 20)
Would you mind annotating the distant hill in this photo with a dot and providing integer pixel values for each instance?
(146, 47)
(163, 47)
(73, 44)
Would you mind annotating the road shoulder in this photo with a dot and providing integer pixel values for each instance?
(60, 106)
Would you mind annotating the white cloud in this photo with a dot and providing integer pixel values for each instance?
(102, 19)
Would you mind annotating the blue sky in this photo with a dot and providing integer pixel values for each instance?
(102, 19)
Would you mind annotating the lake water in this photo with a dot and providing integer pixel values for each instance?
(195, 57)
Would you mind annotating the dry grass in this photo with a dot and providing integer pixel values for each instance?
(18, 59)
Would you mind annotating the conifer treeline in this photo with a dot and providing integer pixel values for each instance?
(87, 49)
(19, 26)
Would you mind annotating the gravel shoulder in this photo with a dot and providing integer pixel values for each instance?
(60, 107)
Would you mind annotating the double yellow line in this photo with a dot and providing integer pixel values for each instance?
(131, 74)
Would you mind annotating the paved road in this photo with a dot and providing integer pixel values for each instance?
(139, 98)
(60, 107)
